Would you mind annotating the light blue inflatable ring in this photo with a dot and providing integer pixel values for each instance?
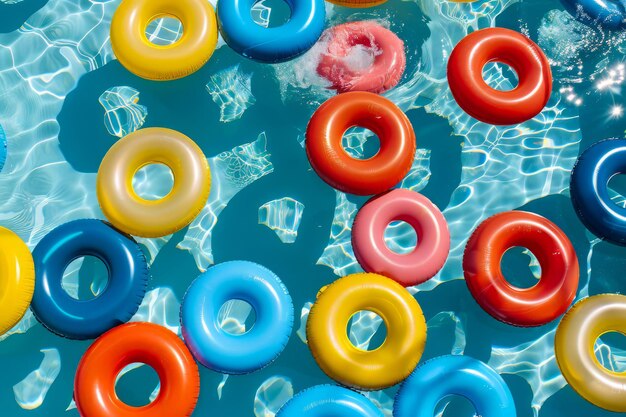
(454, 375)
(273, 44)
(229, 353)
(329, 400)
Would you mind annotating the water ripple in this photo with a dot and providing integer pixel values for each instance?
(32, 390)
(231, 89)
(231, 172)
(122, 112)
(272, 394)
(283, 216)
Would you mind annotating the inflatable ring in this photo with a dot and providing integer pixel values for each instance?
(339, 358)
(329, 400)
(368, 237)
(275, 44)
(386, 69)
(128, 277)
(534, 306)
(477, 98)
(574, 349)
(610, 14)
(224, 352)
(589, 189)
(357, 3)
(163, 62)
(154, 345)
(454, 375)
(357, 176)
(17, 280)
(153, 218)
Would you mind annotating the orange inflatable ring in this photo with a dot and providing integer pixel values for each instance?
(534, 306)
(477, 98)
(360, 176)
(357, 3)
(154, 345)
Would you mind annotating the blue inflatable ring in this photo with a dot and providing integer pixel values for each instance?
(454, 375)
(229, 353)
(276, 44)
(329, 400)
(128, 278)
(610, 14)
(589, 189)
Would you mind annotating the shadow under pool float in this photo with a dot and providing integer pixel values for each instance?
(339, 358)
(163, 62)
(589, 189)
(271, 44)
(360, 176)
(329, 400)
(487, 104)
(136, 216)
(152, 344)
(433, 237)
(118, 302)
(17, 279)
(535, 306)
(575, 350)
(386, 69)
(229, 353)
(443, 376)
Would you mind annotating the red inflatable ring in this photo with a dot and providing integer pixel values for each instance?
(154, 345)
(386, 69)
(534, 306)
(360, 176)
(477, 98)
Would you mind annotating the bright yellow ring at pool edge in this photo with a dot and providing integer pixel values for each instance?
(574, 343)
(328, 340)
(163, 62)
(153, 218)
(17, 280)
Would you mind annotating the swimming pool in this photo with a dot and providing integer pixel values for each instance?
(64, 101)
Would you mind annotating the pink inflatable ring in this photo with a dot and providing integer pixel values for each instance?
(433, 237)
(335, 63)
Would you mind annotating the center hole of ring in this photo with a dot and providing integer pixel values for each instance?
(366, 330)
(610, 349)
(617, 189)
(520, 267)
(400, 237)
(491, 75)
(455, 406)
(165, 30)
(236, 317)
(85, 278)
(153, 181)
(360, 143)
(137, 384)
(270, 13)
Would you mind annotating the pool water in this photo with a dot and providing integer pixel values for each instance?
(65, 100)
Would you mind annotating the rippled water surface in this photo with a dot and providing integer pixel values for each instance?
(64, 100)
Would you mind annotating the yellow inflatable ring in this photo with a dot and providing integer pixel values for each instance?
(376, 369)
(163, 62)
(17, 280)
(153, 218)
(574, 342)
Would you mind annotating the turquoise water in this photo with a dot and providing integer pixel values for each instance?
(64, 101)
